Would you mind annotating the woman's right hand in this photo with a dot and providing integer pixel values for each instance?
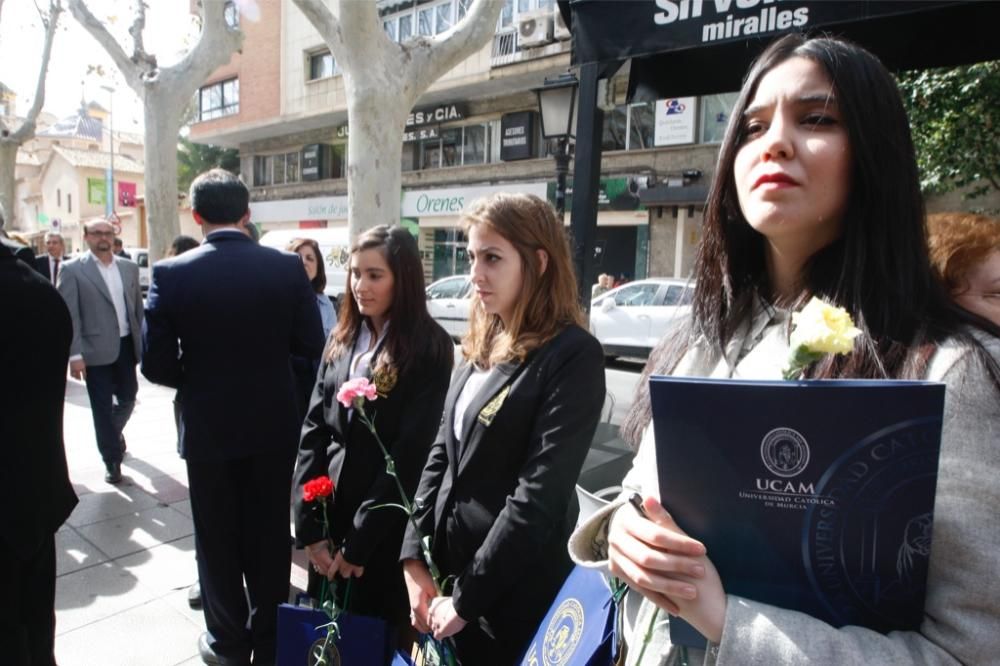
(653, 555)
(321, 558)
(420, 588)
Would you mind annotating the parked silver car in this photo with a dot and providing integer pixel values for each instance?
(448, 303)
(629, 320)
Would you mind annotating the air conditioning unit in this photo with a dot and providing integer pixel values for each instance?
(561, 30)
(534, 28)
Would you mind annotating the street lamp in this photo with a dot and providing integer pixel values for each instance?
(109, 203)
(557, 105)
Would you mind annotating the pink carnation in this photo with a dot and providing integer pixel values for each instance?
(354, 389)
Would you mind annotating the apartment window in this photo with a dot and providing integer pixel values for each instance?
(69, 202)
(463, 8)
(390, 29)
(443, 17)
(59, 198)
(426, 20)
(405, 27)
(322, 65)
(219, 99)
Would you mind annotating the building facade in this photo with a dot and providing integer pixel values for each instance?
(476, 131)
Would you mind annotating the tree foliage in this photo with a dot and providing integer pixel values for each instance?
(955, 118)
(195, 158)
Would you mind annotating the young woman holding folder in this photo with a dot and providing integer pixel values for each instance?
(816, 194)
(497, 494)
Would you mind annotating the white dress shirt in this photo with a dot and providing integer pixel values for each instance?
(113, 279)
(472, 387)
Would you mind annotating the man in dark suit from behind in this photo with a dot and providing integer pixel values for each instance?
(36, 496)
(221, 322)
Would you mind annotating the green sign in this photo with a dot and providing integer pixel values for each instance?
(96, 188)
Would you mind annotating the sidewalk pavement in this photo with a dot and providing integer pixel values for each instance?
(125, 557)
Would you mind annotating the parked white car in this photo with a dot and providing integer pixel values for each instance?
(629, 320)
(140, 256)
(448, 302)
(334, 245)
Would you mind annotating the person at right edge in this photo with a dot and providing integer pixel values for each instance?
(497, 492)
(816, 194)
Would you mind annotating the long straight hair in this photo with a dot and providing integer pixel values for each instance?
(548, 300)
(410, 325)
(878, 269)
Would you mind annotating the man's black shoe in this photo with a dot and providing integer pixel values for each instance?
(114, 473)
(194, 596)
(205, 650)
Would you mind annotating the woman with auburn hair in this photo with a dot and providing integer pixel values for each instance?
(965, 252)
(305, 369)
(385, 334)
(816, 194)
(497, 493)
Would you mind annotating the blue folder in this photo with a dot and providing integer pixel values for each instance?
(816, 496)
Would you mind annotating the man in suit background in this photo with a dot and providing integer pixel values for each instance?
(221, 323)
(105, 302)
(36, 496)
(48, 263)
(120, 249)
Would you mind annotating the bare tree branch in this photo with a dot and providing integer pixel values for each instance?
(51, 22)
(132, 71)
(434, 56)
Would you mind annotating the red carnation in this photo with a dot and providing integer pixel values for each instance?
(321, 486)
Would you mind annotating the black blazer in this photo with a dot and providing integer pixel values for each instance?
(407, 418)
(42, 266)
(221, 323)
(500, 504)
(36, 496)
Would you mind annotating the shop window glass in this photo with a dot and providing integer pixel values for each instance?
(291, 167)
(715, 112)
(443, 16)
(278, 177)
(641, 126)
(430, 153)
(474, 145)
(262, 170)
(614, 129)
(451, 147)
(338, 161)
(409, 162)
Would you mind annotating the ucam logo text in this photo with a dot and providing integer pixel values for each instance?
(728, 26)
(783, 486)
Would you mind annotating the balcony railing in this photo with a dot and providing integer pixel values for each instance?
(507, 49)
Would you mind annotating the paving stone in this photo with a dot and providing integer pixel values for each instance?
(138, 531)
(92, 594)
(110, 502)
(73, 552)
(150, 634)
(164, 568)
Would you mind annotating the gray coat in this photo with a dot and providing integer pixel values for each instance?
(962, 608)
(95, 324)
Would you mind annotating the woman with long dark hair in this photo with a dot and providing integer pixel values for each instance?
(384, 333)
(816, 194)
(497, 495)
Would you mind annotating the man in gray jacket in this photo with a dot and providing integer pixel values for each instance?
(105, 301)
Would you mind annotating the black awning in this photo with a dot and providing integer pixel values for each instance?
(666, 195)
(939, 36)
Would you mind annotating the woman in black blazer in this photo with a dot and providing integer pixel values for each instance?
(384, 333)
(496, 495)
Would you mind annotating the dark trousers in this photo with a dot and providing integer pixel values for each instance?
(27, 606)
(241, 519)
(118, 381)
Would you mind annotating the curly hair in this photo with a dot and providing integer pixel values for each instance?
(959, 241)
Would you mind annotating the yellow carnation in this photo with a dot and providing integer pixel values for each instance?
(823, 329)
